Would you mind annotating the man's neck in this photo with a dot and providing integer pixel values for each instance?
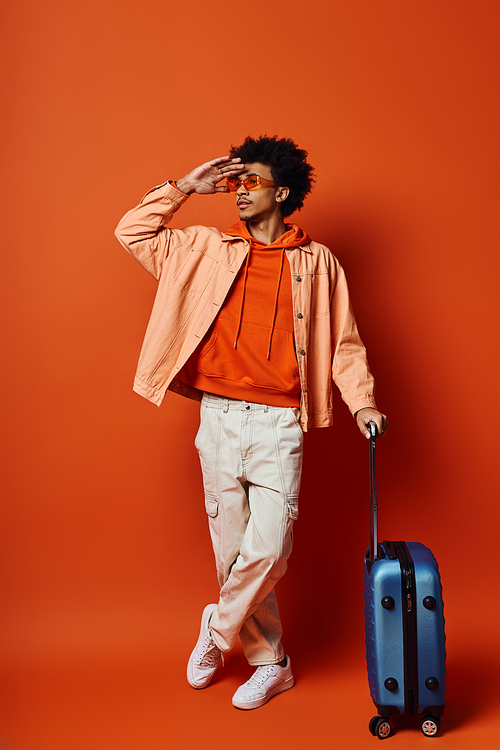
(267, 230)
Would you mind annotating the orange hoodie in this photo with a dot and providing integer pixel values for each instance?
(249, 352)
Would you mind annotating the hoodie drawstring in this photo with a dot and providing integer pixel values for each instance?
(293, 237)
(243, 297)
(275, 304)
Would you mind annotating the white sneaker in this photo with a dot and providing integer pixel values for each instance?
(205, 657)
(266, 681)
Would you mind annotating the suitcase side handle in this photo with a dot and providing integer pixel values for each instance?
(373, 494)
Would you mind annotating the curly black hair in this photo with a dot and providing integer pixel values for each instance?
(287, 162)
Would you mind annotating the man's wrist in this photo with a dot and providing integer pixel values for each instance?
(355, 414)
(184, 186)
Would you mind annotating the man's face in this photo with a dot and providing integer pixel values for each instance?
(259, 204)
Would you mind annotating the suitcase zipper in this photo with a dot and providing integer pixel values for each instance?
(409, 628)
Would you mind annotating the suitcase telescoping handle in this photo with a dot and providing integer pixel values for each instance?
(373, 494)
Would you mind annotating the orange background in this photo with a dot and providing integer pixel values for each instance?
(105, 558)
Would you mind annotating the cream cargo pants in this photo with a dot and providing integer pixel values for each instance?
(251, 459)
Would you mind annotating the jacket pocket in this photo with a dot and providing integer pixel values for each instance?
(211, 505)
(196, 272)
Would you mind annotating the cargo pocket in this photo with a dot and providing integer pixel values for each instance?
(211, 505)
(292, 504)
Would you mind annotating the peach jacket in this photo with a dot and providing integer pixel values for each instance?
(195, 268)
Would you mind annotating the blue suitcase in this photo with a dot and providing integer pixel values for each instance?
(404, 620)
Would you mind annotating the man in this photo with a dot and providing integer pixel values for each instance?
(256, 323)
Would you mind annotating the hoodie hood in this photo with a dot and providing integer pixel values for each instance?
(293, 237)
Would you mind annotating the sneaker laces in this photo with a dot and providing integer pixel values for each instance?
(260, 675)
(209, 654)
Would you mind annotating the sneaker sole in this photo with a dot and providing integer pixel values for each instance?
(248, 706)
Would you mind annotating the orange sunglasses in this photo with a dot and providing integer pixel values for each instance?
(254, 182)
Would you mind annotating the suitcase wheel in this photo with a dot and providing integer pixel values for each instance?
(380, 727)
(430, 725)
(373, 724)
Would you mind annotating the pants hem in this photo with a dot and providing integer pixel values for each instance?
(266, 662)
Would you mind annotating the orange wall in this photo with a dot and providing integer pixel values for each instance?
(397, 104)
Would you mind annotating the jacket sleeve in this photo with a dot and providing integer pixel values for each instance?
(350, 369)
(143, 231)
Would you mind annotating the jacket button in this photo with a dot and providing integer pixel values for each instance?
(299, 315)
(302, 351)
(297, 278)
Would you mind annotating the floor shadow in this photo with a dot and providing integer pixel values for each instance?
(473, 690)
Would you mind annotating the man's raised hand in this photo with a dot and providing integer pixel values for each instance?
(205, 178)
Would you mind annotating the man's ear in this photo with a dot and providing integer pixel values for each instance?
(282, 194)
